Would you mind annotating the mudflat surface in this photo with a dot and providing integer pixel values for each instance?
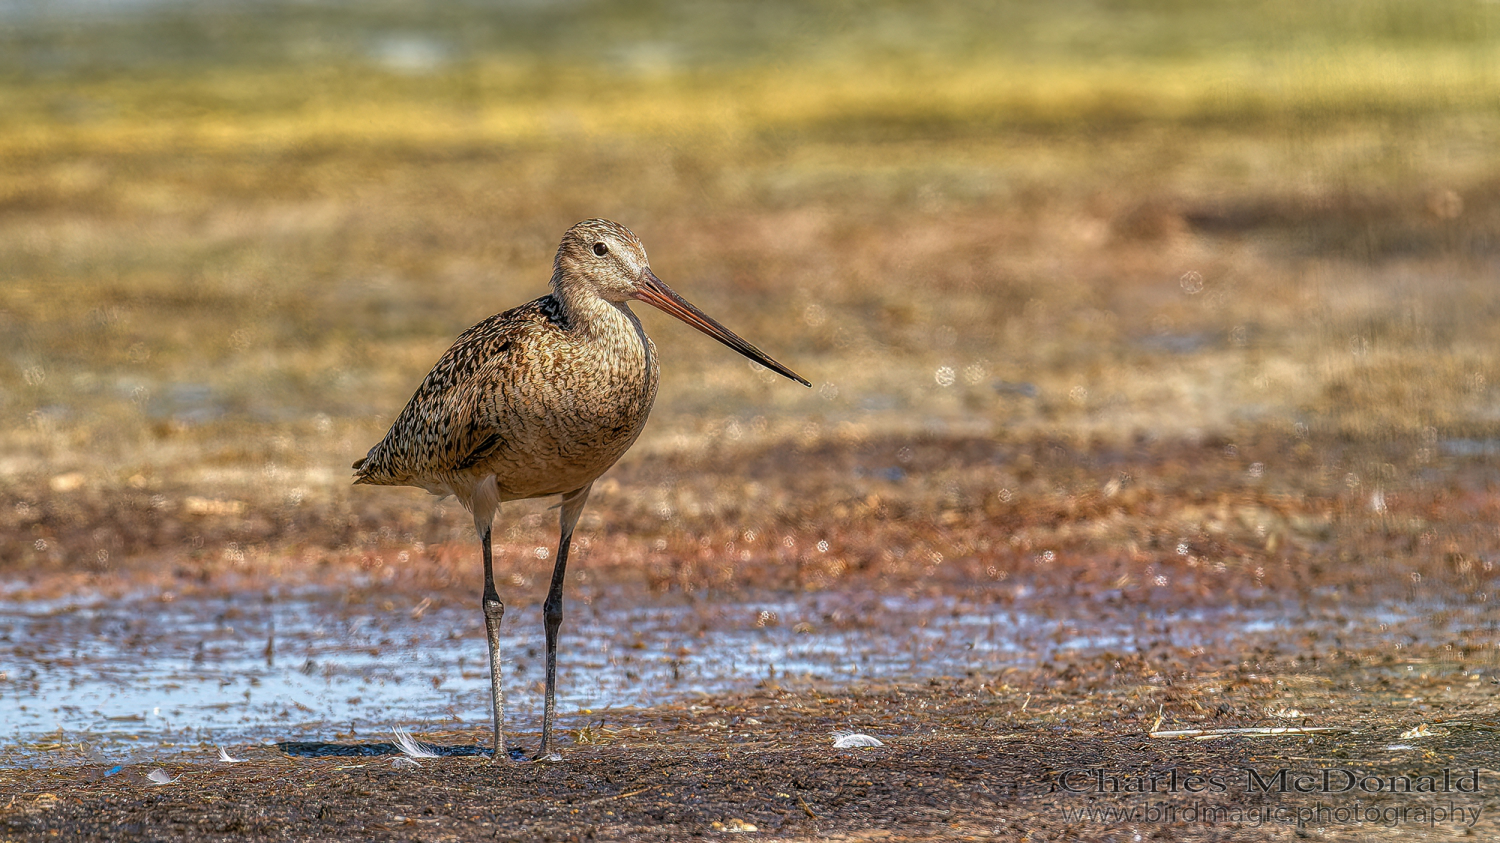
(962, 759)
(1105, 673)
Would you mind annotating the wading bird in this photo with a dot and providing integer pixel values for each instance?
(539, 401)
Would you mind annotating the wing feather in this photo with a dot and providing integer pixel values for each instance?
(445, 426)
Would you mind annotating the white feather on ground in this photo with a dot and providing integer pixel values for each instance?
(411, 747)
(225, 757)
(159, 776)
(851, 740)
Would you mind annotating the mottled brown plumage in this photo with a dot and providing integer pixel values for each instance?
(540, 400)
(527, 397)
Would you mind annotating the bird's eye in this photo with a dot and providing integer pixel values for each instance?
(600, 249)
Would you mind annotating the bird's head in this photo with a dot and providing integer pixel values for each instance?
(605, 258)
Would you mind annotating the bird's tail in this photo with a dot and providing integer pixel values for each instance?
(362, 474)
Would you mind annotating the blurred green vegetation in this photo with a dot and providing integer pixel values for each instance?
(289, 72)
(233, 237)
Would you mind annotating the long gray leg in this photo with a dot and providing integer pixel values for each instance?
(494, 610)
(572, 507)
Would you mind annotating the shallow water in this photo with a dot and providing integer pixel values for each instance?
(125, 681)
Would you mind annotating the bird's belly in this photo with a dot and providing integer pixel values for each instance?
(567, 446)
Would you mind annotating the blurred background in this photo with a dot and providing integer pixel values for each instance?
(1161, 301)
(233, 238)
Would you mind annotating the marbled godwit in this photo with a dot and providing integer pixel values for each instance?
(540, 401)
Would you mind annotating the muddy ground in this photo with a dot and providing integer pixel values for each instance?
(1387, 660)
(963, 759)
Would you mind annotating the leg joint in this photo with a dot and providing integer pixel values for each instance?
(552, 612)
(493, 608)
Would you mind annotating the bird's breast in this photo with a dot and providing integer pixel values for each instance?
(582, 407)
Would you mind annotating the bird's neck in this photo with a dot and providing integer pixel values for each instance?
(585, 312)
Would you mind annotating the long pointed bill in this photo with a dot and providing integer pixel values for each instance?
(661, 297)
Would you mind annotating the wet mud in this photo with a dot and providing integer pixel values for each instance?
(961, 759)
(1129, 641)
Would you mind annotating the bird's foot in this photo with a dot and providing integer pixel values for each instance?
(510, 753)
(547, 757)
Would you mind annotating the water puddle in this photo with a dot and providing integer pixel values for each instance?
(132, 680)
